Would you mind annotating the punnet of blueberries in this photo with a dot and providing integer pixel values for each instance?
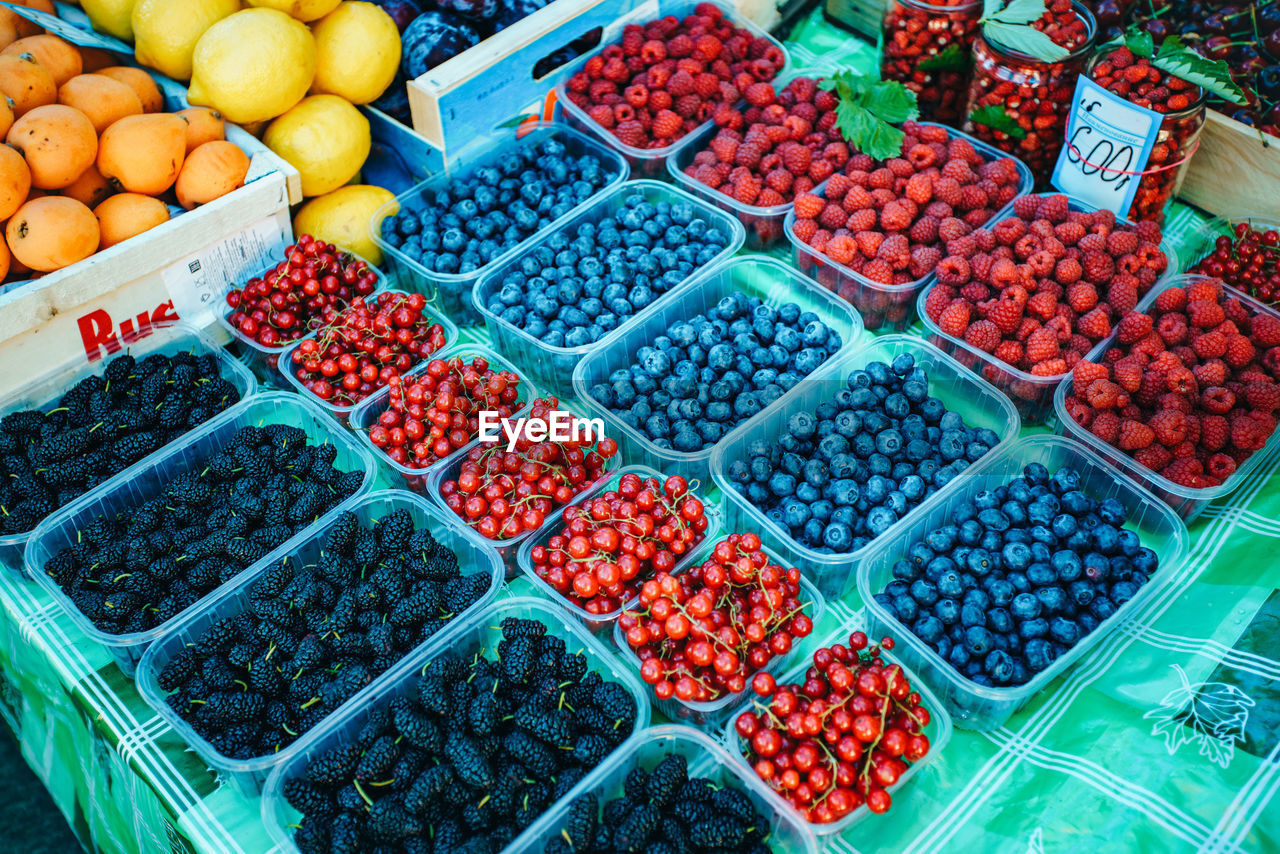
(582, 283)
(841, 475)
(1021, 574)
(704, 376)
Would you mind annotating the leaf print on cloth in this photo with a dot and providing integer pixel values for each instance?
(1212, 714)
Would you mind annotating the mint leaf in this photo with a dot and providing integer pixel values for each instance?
(1019, 12)
(1213, 75)
(996, 118)
(1025, 40)
(951, 59)
(891, 101)
(867, 111)
(1139, 41)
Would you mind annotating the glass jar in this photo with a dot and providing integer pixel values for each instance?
(1034, 93)
(1174, 145)
(914, 31)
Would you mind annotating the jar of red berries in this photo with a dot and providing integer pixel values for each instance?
(938, 35)
(1035, 94)
(1182, 105)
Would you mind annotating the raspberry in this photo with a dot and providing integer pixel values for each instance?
(878, 270)
(862, 220)
(1148, 232)
(1134, 435)
(1262, 396)
(1171, 299)
(680, 84)
(1169, 427)
(868, 242)
(1069, 232)
(707, 85)
(1205, 314)
(1186, 472)
(1207, 290)
(601, 114)
(950, 229)
(1210, 345)
(1104, 394)
(833, 216)
(1220, 466)
(1010, 352)
(760, 95)
(1106, 426)
(1094, 325)
(1081, 296)
(1006, 314)
(1132, 327)
(820, 170)
(919, 189)
(924, 260)
(939, 297)
(1025, 207)
(841, 249)
(666, 125)
(1154, 457)
(1122, 242)
(924, 231)
(1249, 431)
(747, 190)
(779, 180)
(947, 190)
(954, 319)
(809, 206)
(958, 170)
(1054, 208)
(1172, 328)
(1214, 432)
(895, 217)
(1212, 372)
(1041, 345)
(1085, 374)
(804, 229)
(1240, 351)
(630, 133)
(1050, 368)
(1264, 330)
(983, 334)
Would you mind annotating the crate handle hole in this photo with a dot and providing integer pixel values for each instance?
(562, 56)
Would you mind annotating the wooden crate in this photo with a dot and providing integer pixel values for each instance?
(861, 15)
(1235, 172)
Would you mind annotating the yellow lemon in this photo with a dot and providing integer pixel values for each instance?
(303, 10)
(342, 218)
(357, 52)
(253, 65)
(325, 138)
(113, 17)
(165, 32)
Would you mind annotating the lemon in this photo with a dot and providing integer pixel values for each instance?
(303, 10)
(325, 138)
(252, 65)
(111, 16)
(342, 218)
(357, 52)
(165, 32)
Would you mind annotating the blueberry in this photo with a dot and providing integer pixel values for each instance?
(905, 609)
(998, 664)
(950, 584)
(924, 592)
(1040, 574)
(1002, 592)
(929, 629)
(1016, 556)
(1064, 631)
(880, 519)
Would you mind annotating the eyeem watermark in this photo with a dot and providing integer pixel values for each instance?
(558, 426)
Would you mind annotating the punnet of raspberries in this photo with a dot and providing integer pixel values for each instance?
(887, 220)
(1042, 287)
(1189, 389)
(669, 76)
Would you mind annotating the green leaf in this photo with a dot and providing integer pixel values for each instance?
(1025, 40)
(996, 118)
(951, 59)
(1139, 41)
(1213, 75)
(891, 102)
(867, 111)
(1019, 12)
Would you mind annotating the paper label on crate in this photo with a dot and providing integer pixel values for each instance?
(199, 282)
(69, 32)
(1109, 141)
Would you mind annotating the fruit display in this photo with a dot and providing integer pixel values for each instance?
(1032, 294)
(361, 347)
(840, 735)
(140, 567)
(706, 374)
(1247, 260)
(504, 494)
(484, 745)
(312, 636)
(670, 75)
(289, 301)
(885, 222)
(603, 549)
(840, 476)
(102, 425)
(926, 48)
(581, 283)
(1187, 387)
(702, 633)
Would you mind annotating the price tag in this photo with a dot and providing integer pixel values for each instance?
(198, 283)
(1109, 141)
(69, 32)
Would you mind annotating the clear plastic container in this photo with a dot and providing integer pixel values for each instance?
(706, 758)
(556, 524)
(148, 479)
(754, 275)
(477, 632)
(259, 358)
(452, 291)
(972, 398)
(343, 413)
(366, 413)
(976, 706)
(248, 775)
(552, 367)
(938, 731)
(711, 714)
(165, 339)
(884, 307)
(917, 31)
(649, 162)
(1188, 502)
(1031, 394)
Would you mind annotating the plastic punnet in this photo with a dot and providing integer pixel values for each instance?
(975, 400)
(1031, 394)
(452, 291)
(1188, 502)
(706, 758)
(366, 413)
(249, 774)
(165, 339)
(556, 524)
(552, 367)
(885, 306)
(976, 706)
(479, 631)
(754, 275)
(711, 714)
(938, 731)
(148, 478)
(649, 162)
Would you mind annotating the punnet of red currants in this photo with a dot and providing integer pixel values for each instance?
(702, 633)
(1248, 260)
(608, 545)
(505, 494)
(841, 737)
(288, 301)
(436, 410)
(361, 347)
